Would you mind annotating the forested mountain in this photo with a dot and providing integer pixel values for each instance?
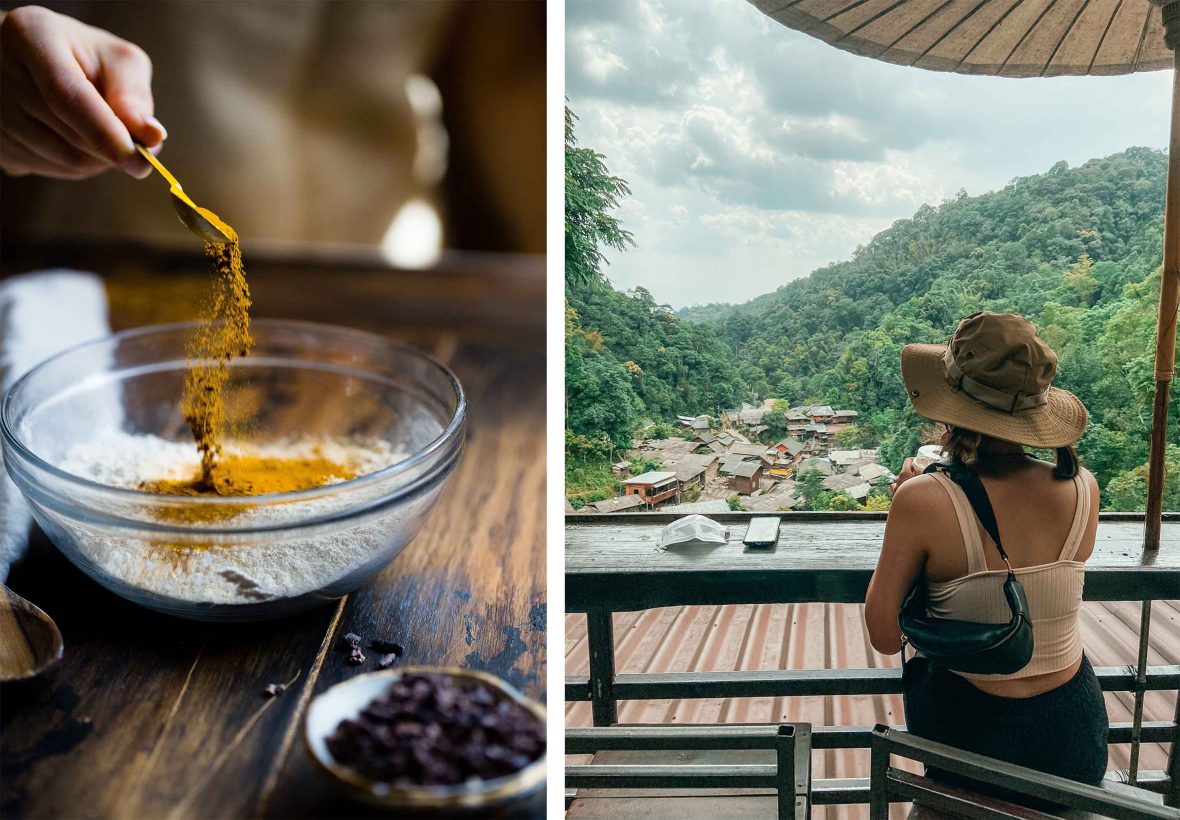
(1076, 250)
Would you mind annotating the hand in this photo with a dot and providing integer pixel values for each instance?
(72, 98)
(908, 471)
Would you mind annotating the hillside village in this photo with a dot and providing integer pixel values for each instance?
(728, 463)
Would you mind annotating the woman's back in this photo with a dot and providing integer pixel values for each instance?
(1035, 514)
(1047, 526)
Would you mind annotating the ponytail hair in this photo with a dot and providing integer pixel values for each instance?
(967, 447)
(1068, 463)
(961, 445)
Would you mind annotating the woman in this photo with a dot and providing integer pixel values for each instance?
(991, 388)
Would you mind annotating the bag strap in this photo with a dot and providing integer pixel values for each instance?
(972, 487)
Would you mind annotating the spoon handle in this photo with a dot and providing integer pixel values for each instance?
(159, 166)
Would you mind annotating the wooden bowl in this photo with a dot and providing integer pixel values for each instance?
(347, 699)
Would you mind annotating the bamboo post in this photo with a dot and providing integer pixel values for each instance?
(1165, 337)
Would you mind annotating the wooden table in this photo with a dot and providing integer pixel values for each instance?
(150, 716)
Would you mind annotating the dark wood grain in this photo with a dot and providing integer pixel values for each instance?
(469, 593)
(613, 562)
(150, 716)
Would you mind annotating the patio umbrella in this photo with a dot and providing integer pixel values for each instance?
(1031, 38)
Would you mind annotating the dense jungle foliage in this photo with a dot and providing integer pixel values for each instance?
(1076, 250)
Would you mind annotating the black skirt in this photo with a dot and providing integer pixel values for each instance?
(1062, 731)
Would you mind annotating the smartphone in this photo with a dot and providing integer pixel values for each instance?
(762, 532)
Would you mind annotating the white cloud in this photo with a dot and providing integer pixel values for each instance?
(756, 154)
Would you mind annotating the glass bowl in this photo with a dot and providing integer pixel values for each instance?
(82, 429)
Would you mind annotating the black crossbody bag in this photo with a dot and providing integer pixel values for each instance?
(969, 646)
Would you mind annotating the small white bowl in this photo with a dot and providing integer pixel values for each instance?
(346, 700)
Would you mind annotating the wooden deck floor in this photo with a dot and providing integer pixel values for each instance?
(815, 636)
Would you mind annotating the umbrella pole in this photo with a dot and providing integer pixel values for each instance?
(1165, 338)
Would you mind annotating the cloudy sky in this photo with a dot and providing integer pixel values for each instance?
(756, 154)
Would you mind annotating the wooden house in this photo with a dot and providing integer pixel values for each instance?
(745, 474)
(751, 417)
(715, 447)
(696, 423)
(653, 487)
(818, 465)
(690, 475)
(797, 422)
(750, 451)
(789, 449)
(821, 413)
(875, 473)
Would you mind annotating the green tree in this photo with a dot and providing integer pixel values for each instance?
(639, 466)
(839, 501)
(599, 400)
(852, 437)
(810, 488)
(590, 194)
(588, 474)
(661, 430)
(1127, 491)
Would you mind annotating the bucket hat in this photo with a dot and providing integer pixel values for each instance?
(994, 377)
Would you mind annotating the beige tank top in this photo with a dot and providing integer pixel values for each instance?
(1054, 590)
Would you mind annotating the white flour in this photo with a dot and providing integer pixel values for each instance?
(236, 569)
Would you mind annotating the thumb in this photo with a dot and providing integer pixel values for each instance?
(125, 77)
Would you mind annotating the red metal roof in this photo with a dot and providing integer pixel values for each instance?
(833, 636)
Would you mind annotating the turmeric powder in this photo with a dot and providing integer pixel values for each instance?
(244, 475)
(225, 333)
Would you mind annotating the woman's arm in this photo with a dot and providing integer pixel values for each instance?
(903, 557)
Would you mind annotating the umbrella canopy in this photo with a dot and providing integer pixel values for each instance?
(1032, 38)
(1001, 38)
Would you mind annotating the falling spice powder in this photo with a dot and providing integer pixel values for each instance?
(224, 334)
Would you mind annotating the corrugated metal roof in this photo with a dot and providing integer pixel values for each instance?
(651, 478)
(833, 636)
(617, 504)
(698, 507)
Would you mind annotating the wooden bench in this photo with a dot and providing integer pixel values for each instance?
(789, 776)
(933, 799)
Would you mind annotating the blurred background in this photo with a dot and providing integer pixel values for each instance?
(405, 126)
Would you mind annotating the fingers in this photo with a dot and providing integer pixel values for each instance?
(46, 144)
(19, 161)
(125, 76)
(58, 75)
(74, 100)
(22, 97)
(907, 472)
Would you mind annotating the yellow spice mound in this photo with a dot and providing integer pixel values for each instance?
(244, 475)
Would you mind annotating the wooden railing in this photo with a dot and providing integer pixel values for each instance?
(612, 565)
